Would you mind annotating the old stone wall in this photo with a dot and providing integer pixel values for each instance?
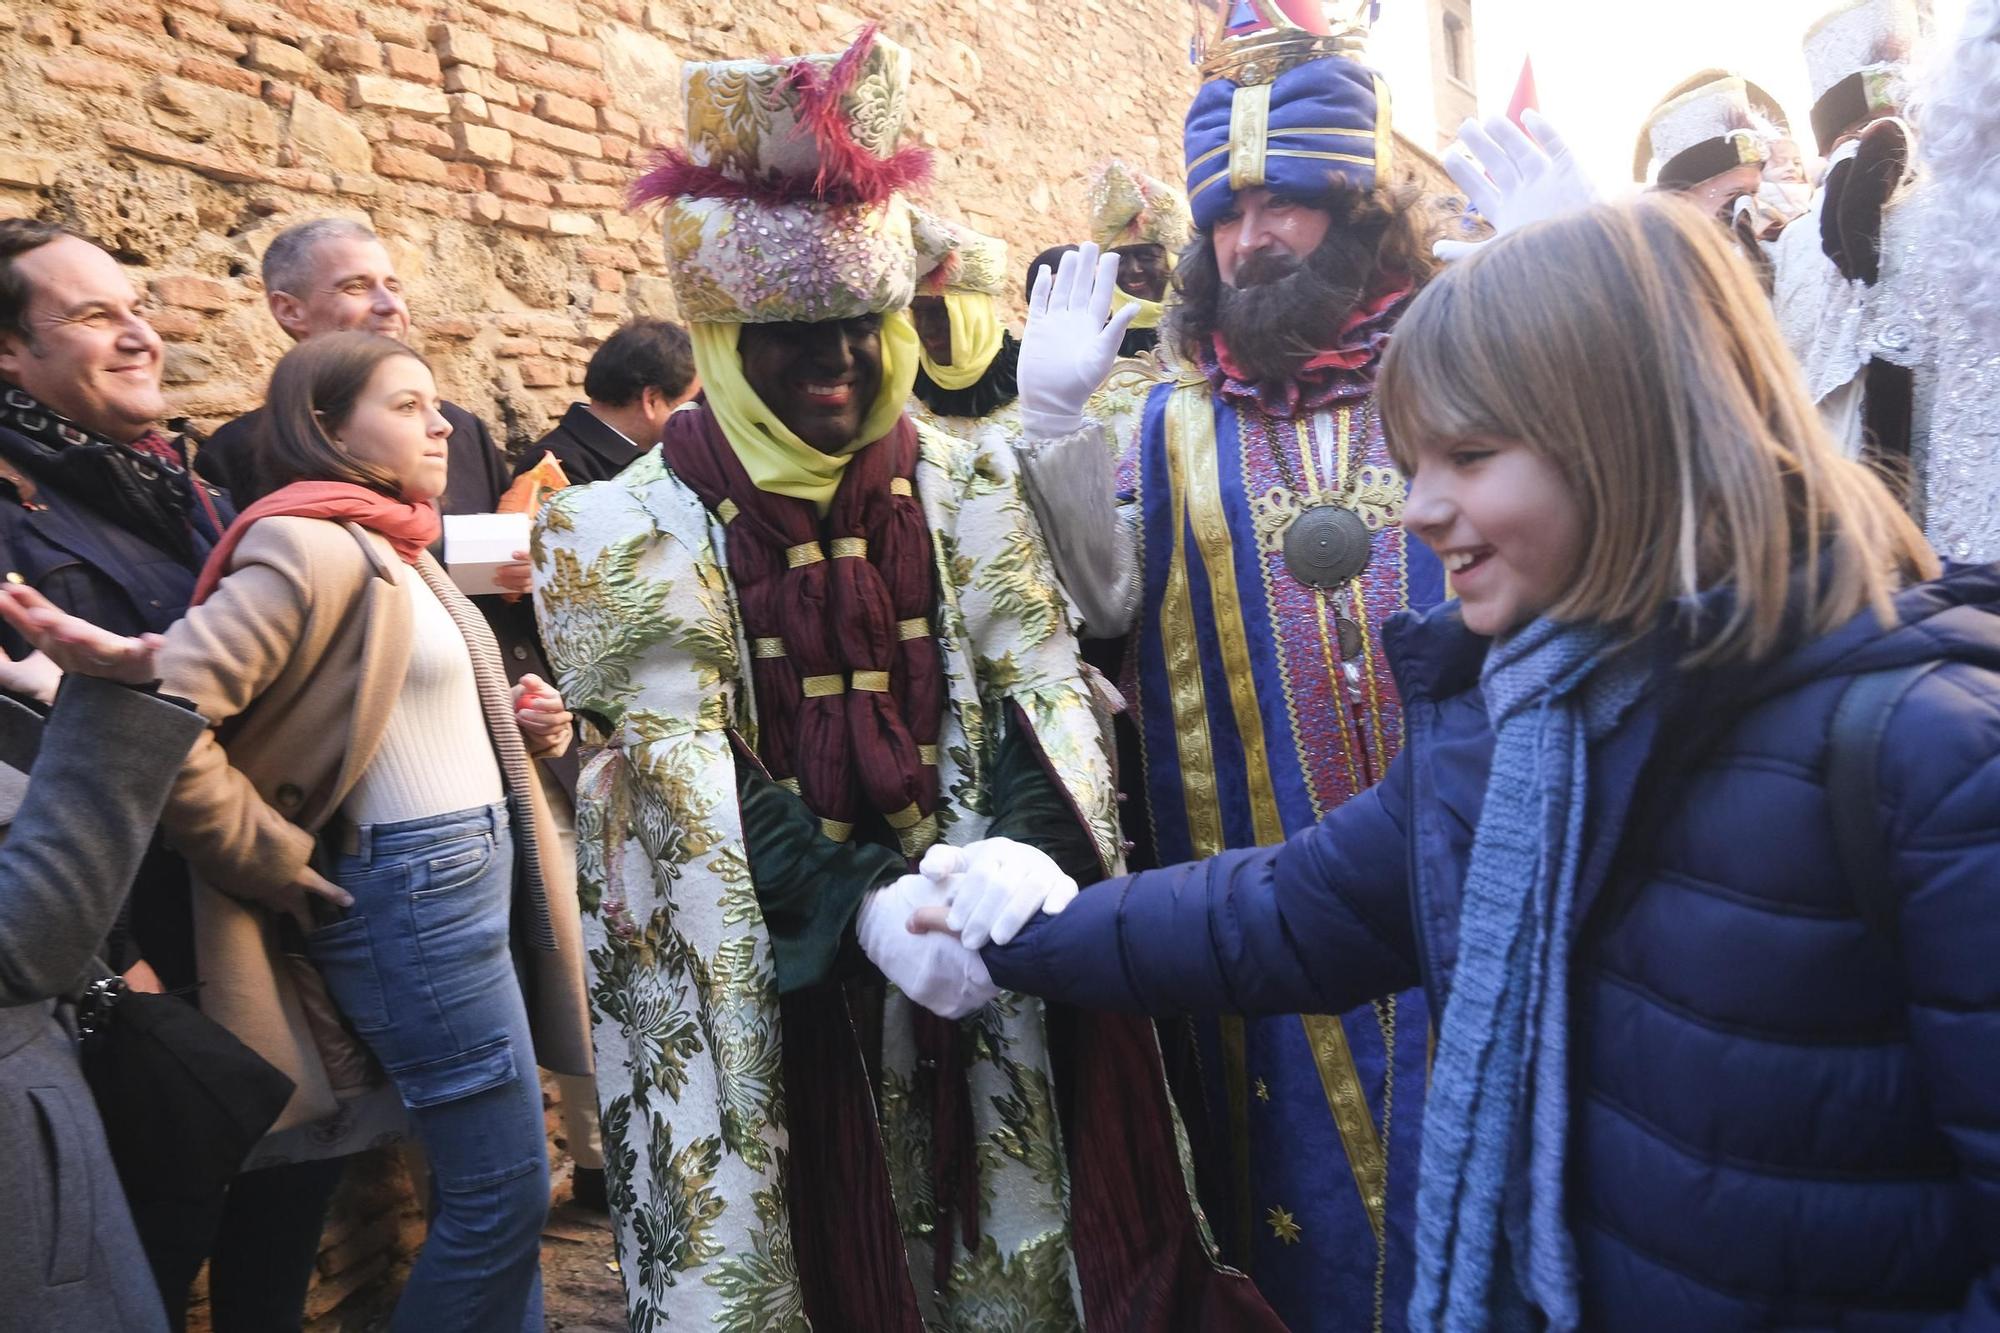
(490, 141)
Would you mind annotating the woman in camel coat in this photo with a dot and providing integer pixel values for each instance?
(350, 738)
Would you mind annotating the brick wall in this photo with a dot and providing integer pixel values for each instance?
(490, 142)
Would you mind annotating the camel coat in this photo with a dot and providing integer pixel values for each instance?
(296, 661)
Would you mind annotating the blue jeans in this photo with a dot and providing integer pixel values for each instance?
(421, 967)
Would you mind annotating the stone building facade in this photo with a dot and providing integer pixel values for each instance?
(490, 143)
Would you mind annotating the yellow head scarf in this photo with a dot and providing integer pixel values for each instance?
(777, 460)
(1149, 311)
(975, 340)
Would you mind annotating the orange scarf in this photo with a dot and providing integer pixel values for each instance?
(409, 527)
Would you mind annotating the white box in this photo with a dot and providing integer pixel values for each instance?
(477, 545)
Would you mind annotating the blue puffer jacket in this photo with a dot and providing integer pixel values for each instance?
(1784, 1118)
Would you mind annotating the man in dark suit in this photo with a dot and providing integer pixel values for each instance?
(327, 275)
(640, 376)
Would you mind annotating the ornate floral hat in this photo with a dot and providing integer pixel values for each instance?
(952, 257)
(1707, 125)
(1128, 207)
(786, 203)
(1288, 105)
(1856, 56)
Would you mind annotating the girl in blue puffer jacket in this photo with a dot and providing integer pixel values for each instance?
(1719, 1044)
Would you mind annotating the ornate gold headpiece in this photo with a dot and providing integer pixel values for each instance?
(1261, 39)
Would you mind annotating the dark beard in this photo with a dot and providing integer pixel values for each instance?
(1286, 312)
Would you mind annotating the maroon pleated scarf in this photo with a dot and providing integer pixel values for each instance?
(849, 682)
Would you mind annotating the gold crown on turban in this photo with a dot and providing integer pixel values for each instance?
(1260, 39)
(786, 204)
(952, 257)
(1128, 207)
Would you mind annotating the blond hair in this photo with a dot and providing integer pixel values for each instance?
(1634, 349)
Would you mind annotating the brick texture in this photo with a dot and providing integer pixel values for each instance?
(491, 142)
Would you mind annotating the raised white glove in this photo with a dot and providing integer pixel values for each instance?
(936, 971)
(1513, 179)
(1068, 346)
(995, 887)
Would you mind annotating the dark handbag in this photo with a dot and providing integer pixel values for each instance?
(182, 1100)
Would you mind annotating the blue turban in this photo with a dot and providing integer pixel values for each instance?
(1319, 122)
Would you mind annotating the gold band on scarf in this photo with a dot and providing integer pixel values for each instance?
(836, 830)
(873, 682)
(913, 629)
(850, 548)
(777, 460)
(805, 553)
(727, 511)
(823, 687)
(976, 338)
(767, 648)
(928, 754)
(900, 486)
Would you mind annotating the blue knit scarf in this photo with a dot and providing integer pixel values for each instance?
(1493, 1247)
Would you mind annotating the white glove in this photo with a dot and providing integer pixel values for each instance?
(934, 970)
(1512, 179)
(995, 887)
(1068, 347)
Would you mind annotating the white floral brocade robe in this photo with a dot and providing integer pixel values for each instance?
(641, 628)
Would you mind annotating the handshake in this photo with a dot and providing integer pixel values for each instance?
(925, 930)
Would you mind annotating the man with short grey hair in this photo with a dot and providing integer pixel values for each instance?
(332, 274)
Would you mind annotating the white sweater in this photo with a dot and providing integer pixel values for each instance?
(436, 757)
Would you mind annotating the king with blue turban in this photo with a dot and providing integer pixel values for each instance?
(1238, 526)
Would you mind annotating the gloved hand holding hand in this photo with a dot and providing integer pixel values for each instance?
(934, 970)
(1068, 346)
(995, 887)
(1512, 179)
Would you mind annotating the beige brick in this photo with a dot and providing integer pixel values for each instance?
(469, 107)
(620, 257)
(326, 14)
(276, 57)
(194, 293)
(519, 347)
(88, 74)
(452, 326)
(578, 115)
(617, 122)
(322, 132)
(28, 169)
(556, 78)
(525, 217)
(569, 194)
(607, 280)
(577, 51)
(519, 185)
(381, 93)
(248, 16)
(407, 62)
(408, 164)
(351, 55)
(482, 83)
(601, 173)
(542, 373)
(555, 15)
(418, 134)
(572, 224)
(464, 177)
(483, 143)
(127, 51)
(233, 77)
(541, 161)
(484, 209)
(456, 44)
(47, 30)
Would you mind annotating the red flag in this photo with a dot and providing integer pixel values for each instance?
(1525, 97)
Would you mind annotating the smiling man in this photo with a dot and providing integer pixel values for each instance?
(822, 640)
(1144, 221)
(329, 275)
(1269, 555)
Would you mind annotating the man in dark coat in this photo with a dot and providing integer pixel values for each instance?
(106, 758)
(325, 276)
(640, 376)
